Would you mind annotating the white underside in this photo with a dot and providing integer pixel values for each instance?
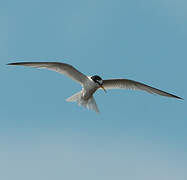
(88, 103)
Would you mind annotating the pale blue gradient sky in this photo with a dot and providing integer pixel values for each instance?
(137, 136)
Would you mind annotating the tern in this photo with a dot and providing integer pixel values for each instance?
(90, 84)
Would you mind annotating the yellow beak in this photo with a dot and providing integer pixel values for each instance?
(103, 88)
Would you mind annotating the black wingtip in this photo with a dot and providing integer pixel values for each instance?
(9, 64)
(12, 64)
(178, 97)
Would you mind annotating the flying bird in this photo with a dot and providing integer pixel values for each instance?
(90, 84)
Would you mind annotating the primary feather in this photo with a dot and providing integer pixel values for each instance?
(62, 68)
(131, 84)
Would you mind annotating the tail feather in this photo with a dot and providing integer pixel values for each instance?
(89, 104)
(74, 98)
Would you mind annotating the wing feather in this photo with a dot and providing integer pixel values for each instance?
(62, 68)
(131, 84)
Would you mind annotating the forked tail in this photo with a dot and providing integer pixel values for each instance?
(90, 103)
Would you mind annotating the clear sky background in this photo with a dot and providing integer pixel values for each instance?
(137, 136)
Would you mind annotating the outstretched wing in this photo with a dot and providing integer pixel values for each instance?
(130, 84)
(62, 68)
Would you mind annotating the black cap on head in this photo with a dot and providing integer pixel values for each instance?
(97, 79)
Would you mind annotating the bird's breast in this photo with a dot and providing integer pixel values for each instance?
(89, 89)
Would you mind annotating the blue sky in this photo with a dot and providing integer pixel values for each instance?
(137, 136)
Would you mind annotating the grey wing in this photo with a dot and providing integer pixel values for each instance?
(62, 68)
(130, 84)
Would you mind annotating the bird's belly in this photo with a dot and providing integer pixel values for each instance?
(88, 94)
(88, 91)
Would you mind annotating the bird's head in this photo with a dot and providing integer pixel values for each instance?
(99, 81)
